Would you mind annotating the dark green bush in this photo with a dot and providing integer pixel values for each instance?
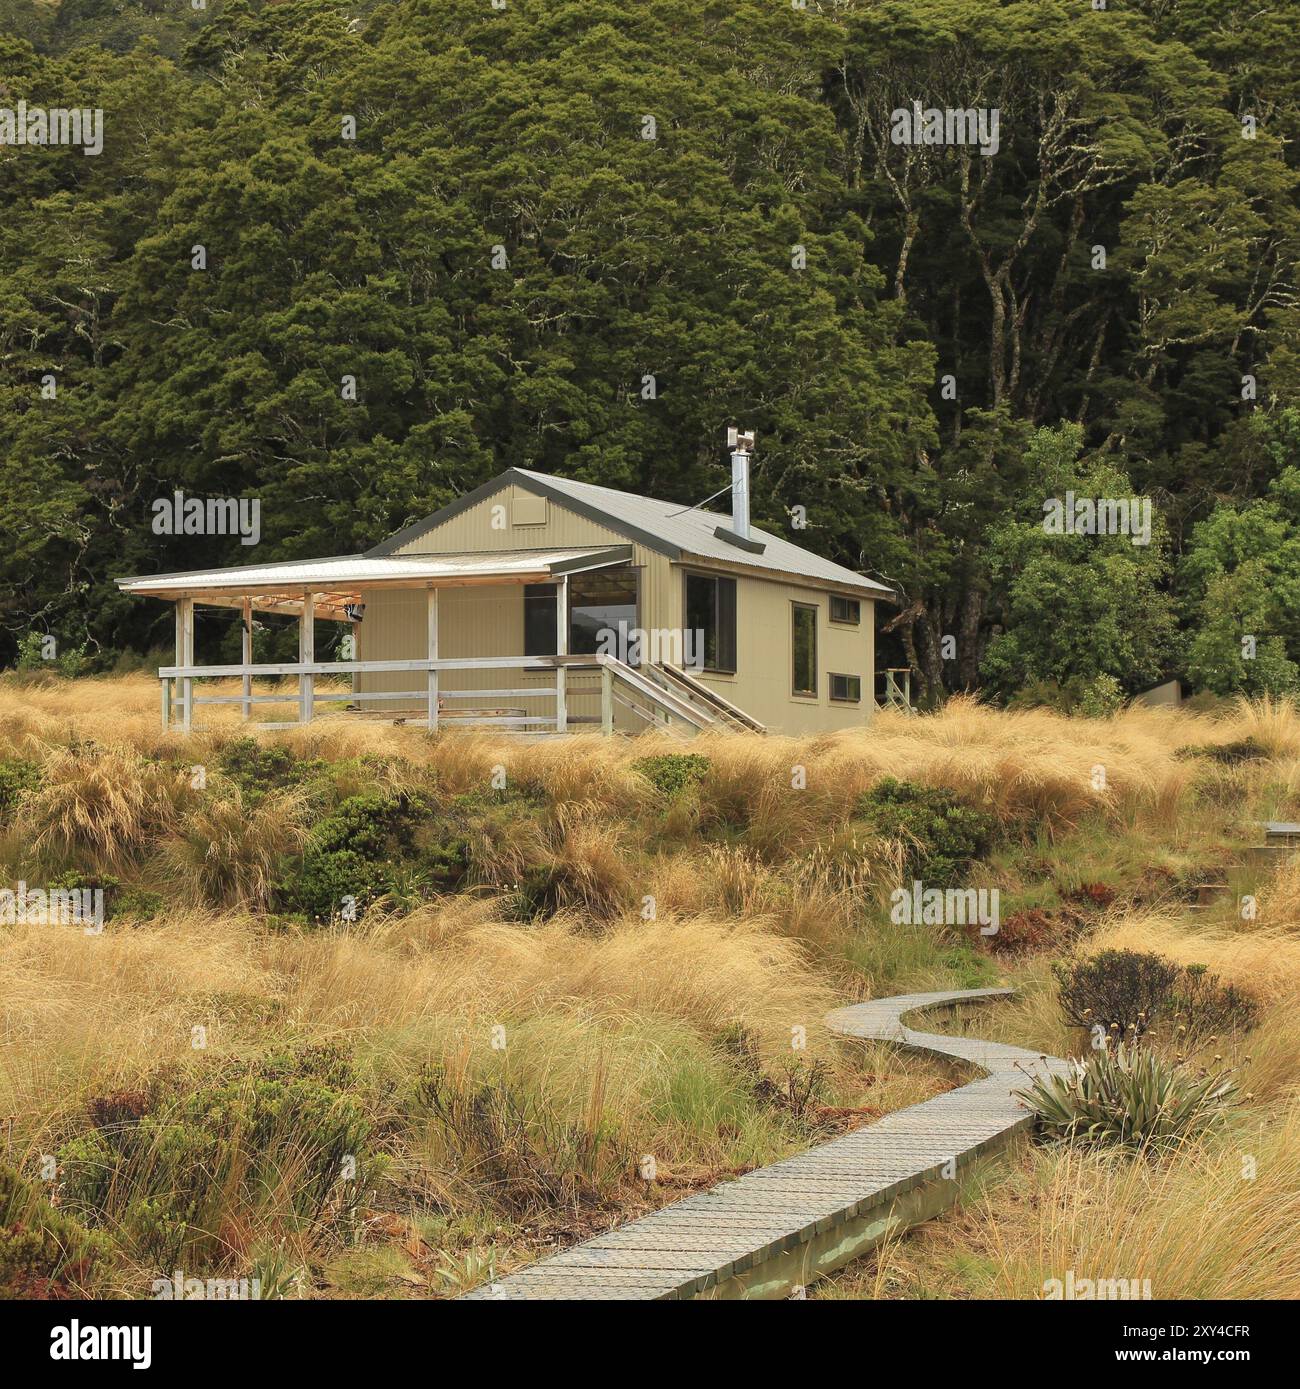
(44, 1252)
(120, 900)
(258, 767)
(1124, 991)
(16, 777)
(162, 1170)
(372, 846)
(670, 773)
(941, 836)
(1204, 1006)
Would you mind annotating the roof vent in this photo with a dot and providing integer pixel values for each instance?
(741, 444)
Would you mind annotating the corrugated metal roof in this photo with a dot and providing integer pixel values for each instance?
(353, 571)
(692, 531)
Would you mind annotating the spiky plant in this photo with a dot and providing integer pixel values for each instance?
(1129, 1096)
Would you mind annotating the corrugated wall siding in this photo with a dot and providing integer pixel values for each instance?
(488, 621)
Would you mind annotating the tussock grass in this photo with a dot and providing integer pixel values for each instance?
(623, 968)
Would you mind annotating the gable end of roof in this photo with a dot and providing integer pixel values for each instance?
(530, 483)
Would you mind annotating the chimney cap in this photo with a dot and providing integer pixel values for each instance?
(740, 441)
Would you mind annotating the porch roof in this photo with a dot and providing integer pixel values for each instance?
(339, 581)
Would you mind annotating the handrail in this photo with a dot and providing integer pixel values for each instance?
(665, 698)
(701, 691)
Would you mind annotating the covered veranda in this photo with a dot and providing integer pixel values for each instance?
(531, 693)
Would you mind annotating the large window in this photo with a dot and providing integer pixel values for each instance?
(600, 601)
(710, 637)
(804, 644)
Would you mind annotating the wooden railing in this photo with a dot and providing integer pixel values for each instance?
(618, 686)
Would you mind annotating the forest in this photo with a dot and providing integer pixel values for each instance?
(355, 259)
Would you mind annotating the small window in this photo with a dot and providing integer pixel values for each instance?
(804, 644)
(539, 619)
(710, 637)
(845, 610)
(846, 688)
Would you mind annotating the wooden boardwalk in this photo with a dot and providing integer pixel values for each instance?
(775, 1229)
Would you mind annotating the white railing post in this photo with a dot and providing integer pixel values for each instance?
(606, 700)
(246, 655)
(562, 649)
(306, 656)
(166, 687)
(433, 656)
(185, 656)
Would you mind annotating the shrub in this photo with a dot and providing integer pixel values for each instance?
(670, 773)
(16, 776)
(1129, 1097)
(1204, 1006)
(44, 1253)
(372, 846)
(940, 836)
(165, 1173)
(257, 767)
(1124, 991)
(1115, 988)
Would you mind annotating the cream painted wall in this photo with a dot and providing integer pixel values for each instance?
(488, 621)
(762, 685)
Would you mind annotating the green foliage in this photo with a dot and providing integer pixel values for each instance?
(940, 835)
(69, 663)
(44, 1252)
(157, 1172)
(17, 776)
(371, 846)
(257, 767)
(670, 773)
(1241, 585)
(1080, 609)
(1128, 1097)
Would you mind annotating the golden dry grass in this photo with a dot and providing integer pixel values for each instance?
(765, 915)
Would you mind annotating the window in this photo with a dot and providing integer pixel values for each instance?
(602, 600)
(539, 620)
(710, 636)
(804, 645)
(845, 610)
(847, 688)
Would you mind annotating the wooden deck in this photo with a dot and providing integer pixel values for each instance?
(777, 1229)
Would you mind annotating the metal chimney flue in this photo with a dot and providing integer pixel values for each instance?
(741, 444)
